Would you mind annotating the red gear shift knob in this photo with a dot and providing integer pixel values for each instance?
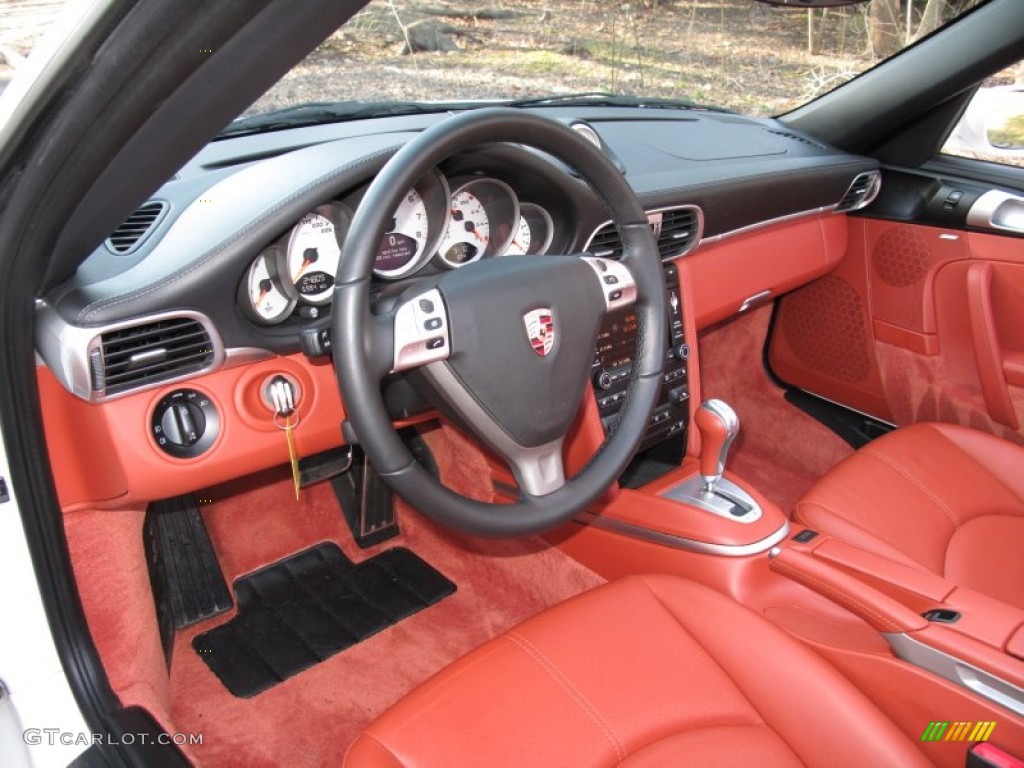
(718, 425)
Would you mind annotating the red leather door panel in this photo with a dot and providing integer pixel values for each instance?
(918, 323)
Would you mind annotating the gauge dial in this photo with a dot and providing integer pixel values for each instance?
(267, 297)
(415, 227)
(406, 239)
(468, 231)
(312, 260)
(534, 232)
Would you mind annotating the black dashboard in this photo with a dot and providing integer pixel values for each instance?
(244, 240)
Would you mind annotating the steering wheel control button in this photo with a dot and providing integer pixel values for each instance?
(421, 332)
(614, 273)
(185, 424)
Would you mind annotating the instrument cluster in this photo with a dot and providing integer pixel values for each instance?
(440, 224)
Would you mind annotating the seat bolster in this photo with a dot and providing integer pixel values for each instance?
(806, 701)
(1001, 458)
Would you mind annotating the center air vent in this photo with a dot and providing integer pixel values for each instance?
(861, 192)
(133, 357)
(134, 230)
(677, 231)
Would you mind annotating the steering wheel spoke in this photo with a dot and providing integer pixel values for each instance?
(421, 335)
(539, 471)
(617, 284)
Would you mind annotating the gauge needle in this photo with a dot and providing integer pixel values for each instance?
(471, 227)
(265, 287)
(309, 257)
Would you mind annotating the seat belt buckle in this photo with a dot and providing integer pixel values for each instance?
(986, 755)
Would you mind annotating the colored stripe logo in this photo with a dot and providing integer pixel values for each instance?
(959, 731)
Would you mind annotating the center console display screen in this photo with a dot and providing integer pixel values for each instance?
(616, 340)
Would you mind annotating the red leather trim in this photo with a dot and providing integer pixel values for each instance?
(881, 569)
(921, 343)
(877, 609)
(822, 338)
(636, 671)
(105, 452)
(987, 353)
(778, 259)
(1015, 645)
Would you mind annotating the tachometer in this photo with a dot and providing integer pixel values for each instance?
(483, 215)
(312, 260)
(406, 239)
(417, 225)
(268, 301)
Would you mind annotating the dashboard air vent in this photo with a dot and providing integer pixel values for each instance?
(861, 192)
(605, 242)
(133, 230)
(680, 228)
(144, 354)
(677, 231)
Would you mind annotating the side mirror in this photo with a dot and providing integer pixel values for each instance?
(1005, 130)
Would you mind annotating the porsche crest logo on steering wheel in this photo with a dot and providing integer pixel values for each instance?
(540, 330)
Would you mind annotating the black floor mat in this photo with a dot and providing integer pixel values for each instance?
(303, 610)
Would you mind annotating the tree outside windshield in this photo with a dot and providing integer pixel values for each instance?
(737, 54)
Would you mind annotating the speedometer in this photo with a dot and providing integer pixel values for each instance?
(468, 231)
(312, 259)
(483, 216)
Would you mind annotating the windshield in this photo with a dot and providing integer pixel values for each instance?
(736, 54)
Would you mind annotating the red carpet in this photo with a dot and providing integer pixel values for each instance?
(309, 719)
(780, 450)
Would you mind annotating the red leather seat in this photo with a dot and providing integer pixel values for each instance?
(940, 497)
(646, 671)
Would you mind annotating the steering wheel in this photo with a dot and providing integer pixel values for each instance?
(505, 344)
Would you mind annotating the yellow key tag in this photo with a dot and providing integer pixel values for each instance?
(290, 422)
(293, 456)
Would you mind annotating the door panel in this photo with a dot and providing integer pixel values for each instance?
(927, 321)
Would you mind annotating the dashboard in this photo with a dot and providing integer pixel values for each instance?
(223, 279)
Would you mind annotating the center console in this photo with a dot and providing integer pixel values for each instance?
(613, 364)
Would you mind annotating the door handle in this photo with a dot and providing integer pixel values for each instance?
(997, 210)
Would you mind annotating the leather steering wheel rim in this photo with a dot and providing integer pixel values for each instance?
(359, 335)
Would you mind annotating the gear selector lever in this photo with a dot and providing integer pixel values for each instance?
(718, 425)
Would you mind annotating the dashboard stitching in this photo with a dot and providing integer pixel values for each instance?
(107, 303)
